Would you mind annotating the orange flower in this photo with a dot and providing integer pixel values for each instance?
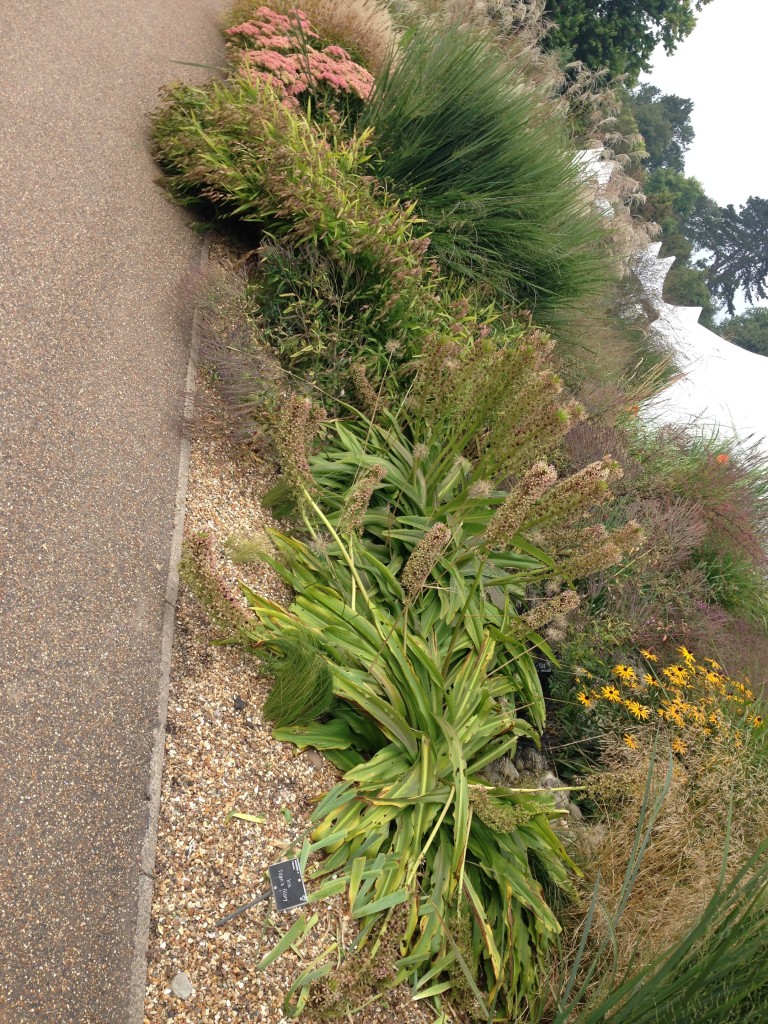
(679, 746)
(723, 460)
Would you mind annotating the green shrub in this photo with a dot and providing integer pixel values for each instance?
(459, 129)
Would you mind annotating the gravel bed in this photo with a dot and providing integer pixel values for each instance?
(220, 757)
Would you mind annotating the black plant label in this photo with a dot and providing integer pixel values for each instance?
(287, 884)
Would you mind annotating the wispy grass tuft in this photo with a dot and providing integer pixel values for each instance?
(487, 157)
(302, 690)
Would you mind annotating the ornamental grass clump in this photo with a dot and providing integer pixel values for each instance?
(235, 145)
(486, 155)
(674, 927)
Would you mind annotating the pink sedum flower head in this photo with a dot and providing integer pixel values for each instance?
(273, 48)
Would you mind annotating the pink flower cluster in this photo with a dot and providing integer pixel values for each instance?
(273, 48)
(272, 31)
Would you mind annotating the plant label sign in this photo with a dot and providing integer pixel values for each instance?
(287, 884)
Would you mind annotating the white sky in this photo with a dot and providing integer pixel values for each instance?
(723, 68)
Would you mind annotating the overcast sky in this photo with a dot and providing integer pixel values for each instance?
(723, 68)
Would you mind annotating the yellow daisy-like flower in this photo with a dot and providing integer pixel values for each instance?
(648, 656)
(582, 698)
(650, 680)
(624, 672)
(611, 693)
(686, 655)
(714, 664)
(757, 721)
(630, 741)
(679, 746)
(637, 709)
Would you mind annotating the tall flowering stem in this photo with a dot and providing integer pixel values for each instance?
(542, 613)
(510, 516)
(296, 424)
(358, 500)
(423, 559)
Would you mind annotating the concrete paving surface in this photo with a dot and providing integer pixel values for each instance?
(94, 344)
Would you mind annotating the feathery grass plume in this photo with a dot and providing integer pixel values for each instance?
(366, 395)
(295, 425)
(510, 516)
(538, 617)
(359, 498)
(247, 550)
(424, 558)
(302, 690)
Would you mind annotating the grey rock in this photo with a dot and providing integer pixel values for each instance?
(501, 772)
(181, 986)
(575, 811)
(529, 759)
(549, 781)
(561, 800)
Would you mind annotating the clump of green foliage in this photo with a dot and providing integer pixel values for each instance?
(393, 246)
(421, 710)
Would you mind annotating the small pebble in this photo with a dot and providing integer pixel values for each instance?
(181, 986)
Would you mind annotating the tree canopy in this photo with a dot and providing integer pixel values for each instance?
(736, 244)
(664, 121)
(749, 330)
(620, 35)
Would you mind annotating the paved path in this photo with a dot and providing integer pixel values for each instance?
(94, 341)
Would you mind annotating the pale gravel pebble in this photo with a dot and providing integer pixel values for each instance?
(218, 760)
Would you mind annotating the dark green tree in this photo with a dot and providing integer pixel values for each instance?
(664, 121)
(736, 244)
(620, 35)
(749, 330)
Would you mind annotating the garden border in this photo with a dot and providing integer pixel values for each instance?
(137, 982)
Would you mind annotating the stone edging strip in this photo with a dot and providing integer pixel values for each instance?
(137, 982)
